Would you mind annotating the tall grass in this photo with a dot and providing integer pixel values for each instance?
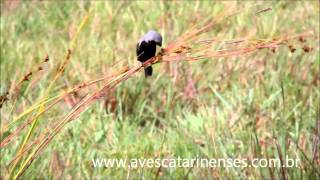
(253, 90)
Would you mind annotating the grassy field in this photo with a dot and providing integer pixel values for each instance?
(261, 104)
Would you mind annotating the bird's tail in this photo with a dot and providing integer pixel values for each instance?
(148, 71)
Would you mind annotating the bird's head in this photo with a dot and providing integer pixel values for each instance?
(153, 36)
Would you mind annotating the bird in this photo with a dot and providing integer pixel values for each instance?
(146, 49)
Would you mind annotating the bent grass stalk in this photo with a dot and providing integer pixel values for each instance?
(46, 93)
(56, 100)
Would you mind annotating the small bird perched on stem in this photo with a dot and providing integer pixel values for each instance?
(146, 49)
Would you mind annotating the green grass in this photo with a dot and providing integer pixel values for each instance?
(250, 106)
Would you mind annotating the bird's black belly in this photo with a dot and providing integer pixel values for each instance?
(146, 50)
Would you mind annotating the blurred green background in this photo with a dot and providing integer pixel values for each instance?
(262, 105)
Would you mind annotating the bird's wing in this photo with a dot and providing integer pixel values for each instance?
(139, 50)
